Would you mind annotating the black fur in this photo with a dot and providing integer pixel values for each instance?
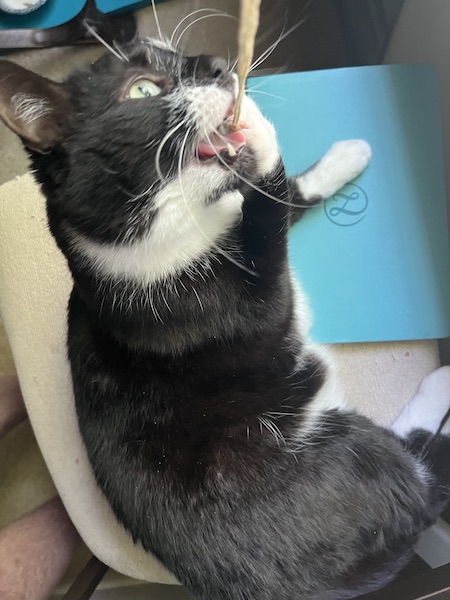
(172, 401)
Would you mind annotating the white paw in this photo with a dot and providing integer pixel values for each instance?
(428, 407)
(261, 138)
(348, 159)
(343, 162)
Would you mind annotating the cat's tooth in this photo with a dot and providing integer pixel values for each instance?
(231, 150)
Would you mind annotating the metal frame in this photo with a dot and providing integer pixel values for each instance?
(87, 581)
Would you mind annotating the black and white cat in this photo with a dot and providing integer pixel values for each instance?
(214, 426)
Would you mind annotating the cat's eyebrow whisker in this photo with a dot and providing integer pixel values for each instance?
(191, 14)
(225, 15)
(228, 59)
(120, 51)
(194, 76)
(92, 31)
(155, 14)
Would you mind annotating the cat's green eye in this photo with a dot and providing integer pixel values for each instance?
(143, 88)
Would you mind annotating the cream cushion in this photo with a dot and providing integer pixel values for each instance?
(34, 289)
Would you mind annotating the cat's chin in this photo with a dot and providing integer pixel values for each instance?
(222, 159)
(241, 168)
(224, 145)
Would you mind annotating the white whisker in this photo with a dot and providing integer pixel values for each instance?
(225, 15)
(161, 146)
(268, 51)
(120, 51)
(228, 59)
(198, 298)
(92, 31)
(256, 91)
(152, 306)
(165, 302)
(247, 181)
(191, 14)
(155, 14)
(273, 429)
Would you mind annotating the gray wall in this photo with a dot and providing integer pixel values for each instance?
(422, 34)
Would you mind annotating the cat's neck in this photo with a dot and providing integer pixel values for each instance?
(234, 283)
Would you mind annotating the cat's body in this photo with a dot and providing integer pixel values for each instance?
(214, 426)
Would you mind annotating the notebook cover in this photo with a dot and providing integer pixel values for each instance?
(374, 258)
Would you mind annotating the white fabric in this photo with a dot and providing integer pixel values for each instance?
(34, 290)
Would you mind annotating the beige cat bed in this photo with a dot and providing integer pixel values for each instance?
(34, 290)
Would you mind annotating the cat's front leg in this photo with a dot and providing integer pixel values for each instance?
(341, 164)
(266, 207)
(261, 138)
(267, 194)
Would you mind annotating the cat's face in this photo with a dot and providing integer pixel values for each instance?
(142, 154)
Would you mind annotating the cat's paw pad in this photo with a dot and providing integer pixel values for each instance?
(428, 407)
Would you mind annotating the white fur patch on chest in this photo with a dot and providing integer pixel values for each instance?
(185, 229)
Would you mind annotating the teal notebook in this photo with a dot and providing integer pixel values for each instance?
(374, 258)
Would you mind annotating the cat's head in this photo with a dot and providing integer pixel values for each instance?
(135, 146)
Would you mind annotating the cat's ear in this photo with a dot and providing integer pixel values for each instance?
(32, 106)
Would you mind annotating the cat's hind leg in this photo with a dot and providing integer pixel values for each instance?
(423, 417)
(343, 162)
(428, 407)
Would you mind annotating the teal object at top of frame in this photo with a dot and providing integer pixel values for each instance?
(51, 14)
(57, 12)
(108, 6)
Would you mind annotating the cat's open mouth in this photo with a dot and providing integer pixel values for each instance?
(222, 146)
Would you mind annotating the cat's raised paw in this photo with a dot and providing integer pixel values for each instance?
(341, 164)
(261, 138)
(348, 159)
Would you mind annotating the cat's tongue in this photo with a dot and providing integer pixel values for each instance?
(217, 143)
